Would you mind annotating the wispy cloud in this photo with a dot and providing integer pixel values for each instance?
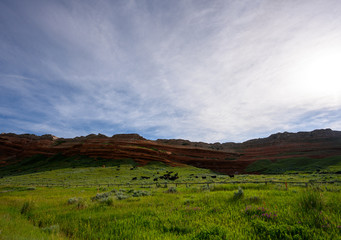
(204, 71)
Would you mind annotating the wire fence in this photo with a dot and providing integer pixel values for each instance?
(158, 184)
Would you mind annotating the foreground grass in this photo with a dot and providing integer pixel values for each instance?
(218, 212)
(167, 210)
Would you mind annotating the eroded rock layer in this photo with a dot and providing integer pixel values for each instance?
(227, 158)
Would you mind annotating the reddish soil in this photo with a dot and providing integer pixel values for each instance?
(227, 158)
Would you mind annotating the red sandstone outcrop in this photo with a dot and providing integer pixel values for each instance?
(226, 157)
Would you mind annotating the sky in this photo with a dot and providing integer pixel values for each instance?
(212, 71)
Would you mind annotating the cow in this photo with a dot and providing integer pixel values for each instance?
(173, 177)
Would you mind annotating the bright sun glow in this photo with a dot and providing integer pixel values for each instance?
(320, 74)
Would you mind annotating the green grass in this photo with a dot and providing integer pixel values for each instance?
(41, 163)
(189, 213)
(166, 211)
(298, 164)
(120, 172)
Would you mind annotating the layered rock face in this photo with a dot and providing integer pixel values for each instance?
(227, 158)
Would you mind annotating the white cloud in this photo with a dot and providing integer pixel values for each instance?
(218, 71)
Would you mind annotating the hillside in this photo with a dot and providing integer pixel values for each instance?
(293, 151)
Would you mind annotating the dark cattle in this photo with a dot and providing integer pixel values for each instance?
(196, 176)
(131, 168)
(168, 176)
(134, 178)
(143, 177)
(203, 177)
(231, 175)
(165, 176)
(174, 177)
(213, 176)
(155, 179)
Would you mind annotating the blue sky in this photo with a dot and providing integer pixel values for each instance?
(199, 70)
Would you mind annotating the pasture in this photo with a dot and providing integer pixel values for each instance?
(106, 203)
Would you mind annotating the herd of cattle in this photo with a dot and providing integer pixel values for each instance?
(168, 176)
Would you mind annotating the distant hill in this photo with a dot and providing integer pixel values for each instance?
(319, 151)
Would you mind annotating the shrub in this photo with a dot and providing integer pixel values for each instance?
(51, 229)
(82, 203)
(108, 201)
(239, 194)
(100, 196)
(140, 193)
(172, 190)
(121, 196)
(73, 200)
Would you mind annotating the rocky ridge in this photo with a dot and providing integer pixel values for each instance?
(227, 158)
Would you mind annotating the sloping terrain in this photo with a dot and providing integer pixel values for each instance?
(229, 158)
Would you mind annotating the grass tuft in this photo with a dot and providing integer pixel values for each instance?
(311, 200)
(26, 207)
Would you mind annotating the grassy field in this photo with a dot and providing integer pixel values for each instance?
(165, 209)
(297, 164)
